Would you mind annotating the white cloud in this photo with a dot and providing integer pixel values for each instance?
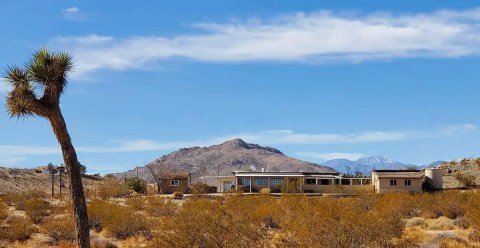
(71, 10)
(330, 156)
(318, 37)
(73, 14)
(271, 138)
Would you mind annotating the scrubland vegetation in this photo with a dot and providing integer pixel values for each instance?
(445, 219)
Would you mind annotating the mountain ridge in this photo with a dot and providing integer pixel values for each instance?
(222, 159)
(365, 165)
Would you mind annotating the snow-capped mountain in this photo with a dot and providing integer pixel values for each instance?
(366, 165)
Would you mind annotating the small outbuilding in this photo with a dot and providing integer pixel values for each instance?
(178, 182)
(386, 181)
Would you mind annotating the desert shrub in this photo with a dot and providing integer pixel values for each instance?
(416, 221)
(406, 204)
(200, 188)
(467, 180)
(265, 191)
(177, 195)
(60, 230)
(207, 223)
(3, 211)
(136, 184)
(473, 211)
(19, 229)
(411, 238)
(37, 209)
(158, 206)
(100, 212)
(441, 224)
(461, 222)
(18, 199)
(124, 224)
(102, 243)
(451, 203)
(448, 239)
(474, 236)
(290, 186)
(118, 221)
(136, 203)
(111, 188)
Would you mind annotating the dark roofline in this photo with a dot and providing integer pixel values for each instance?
(396, 170)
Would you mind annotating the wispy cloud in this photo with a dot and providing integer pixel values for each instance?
(71, 10)
(4, 88)
(272, 138)
(73, 13)
(318, 37)
(329, 156)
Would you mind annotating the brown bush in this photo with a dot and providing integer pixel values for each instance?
(118, 221)
(37, 209)
(207, 223)
(200, 188)
(3, 211)
(110, 188)
(100, 212)
(124, 224)
(473, 211)
(60, 230)
(136, 203)
(158, 206)
(467, 180)
(18, 199)
(177, 195)
(19, 229)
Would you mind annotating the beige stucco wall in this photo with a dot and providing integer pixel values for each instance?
(382, 185)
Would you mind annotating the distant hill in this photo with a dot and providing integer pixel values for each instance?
(365, 165)
(22, 180)
(223, 159)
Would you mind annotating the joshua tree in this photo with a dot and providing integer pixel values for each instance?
(46, 73)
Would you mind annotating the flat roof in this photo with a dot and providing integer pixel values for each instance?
(285, 174)
(396, 170)
(400, 174)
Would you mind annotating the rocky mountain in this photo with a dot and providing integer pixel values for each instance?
(365, 165)
(223, 159)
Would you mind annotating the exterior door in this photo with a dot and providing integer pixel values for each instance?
(227, 186)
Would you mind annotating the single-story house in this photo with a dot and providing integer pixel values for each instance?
(386, 181)
(178, 182)
(308, 182)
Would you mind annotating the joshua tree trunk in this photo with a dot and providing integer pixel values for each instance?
(73, 171)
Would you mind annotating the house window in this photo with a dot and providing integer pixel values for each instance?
(261, 181)
(324, 181)
(408, 182)
(244, 181)
(175, 183)
(310, 181)
(276, 181)
(393, 182)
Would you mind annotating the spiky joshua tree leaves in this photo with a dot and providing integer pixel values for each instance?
(35, 91)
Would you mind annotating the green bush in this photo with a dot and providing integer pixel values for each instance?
(136, 184)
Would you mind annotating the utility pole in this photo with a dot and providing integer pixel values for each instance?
(50, 167)
(61, 169)
(53, 182)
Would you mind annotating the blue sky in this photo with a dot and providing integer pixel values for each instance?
(316, 79)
